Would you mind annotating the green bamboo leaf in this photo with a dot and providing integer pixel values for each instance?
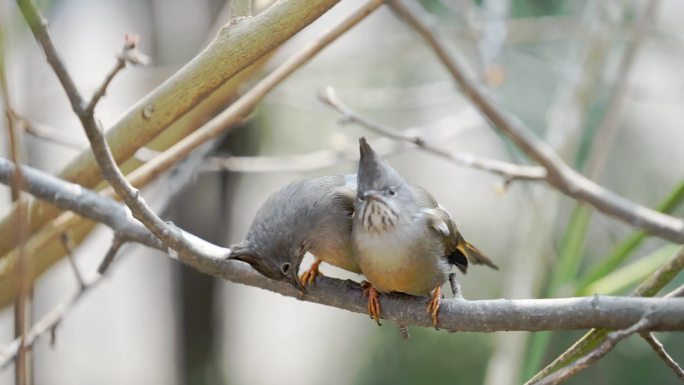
(621, 252)
(564, 273)
(648, 288)
(619, 280)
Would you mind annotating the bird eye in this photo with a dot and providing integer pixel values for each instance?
(391, 191)
(285, 268)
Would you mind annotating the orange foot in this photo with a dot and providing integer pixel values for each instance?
(309, 276)
(373, 301)
(433, 306)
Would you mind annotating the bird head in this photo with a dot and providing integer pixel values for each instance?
(382, 193)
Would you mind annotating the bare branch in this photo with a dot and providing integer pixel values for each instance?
(45, 132)
(509, 171)
(117, 242)
(232, 56)
(455, 314)
(559, 174)
(129, 54)
(660, 350)
(169, 234)
(678, 292)
(341, 149)
(66, 242)
(650, 287)
(51, 320)
(613, 339)
(23, 270)
(39, 27)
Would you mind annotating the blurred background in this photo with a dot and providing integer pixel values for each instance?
(601, 81)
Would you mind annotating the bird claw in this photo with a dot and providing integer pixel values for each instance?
(309, 276)
(373, 301)
(433, 306)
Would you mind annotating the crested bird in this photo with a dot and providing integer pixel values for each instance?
(403, 240)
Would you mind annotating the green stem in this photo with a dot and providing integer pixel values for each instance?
(624, 250)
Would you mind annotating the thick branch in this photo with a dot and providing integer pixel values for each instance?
(455, 314)
(560, 175)
(170, 235)
(236, 47)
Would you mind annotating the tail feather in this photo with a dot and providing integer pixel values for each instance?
(476, 256)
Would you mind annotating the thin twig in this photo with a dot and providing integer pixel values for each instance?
(341, 150)
(51, 320)
(117, 242)
(609, 124)
(678, 292)
(613, 339)
(129, 54)
(559, 174)
(662, 353)
(23, 271)
(45, 132)
(66, 242)
(509, 171)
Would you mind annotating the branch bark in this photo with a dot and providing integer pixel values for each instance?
(559, 175)
(455, 314)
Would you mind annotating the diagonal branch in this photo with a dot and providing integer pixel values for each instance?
(509, 171)
(224, 64)
(169, 234)
(52, 319)
(339, 150)
(613, 339)
(650, 287)
(559, 175)
(660, 350)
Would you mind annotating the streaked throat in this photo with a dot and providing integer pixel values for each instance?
(377, 216)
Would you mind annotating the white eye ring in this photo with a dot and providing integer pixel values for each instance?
(391, 191)
(285, 268)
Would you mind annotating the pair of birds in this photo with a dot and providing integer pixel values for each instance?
(373, 223)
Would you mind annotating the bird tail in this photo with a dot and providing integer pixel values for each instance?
(475, 256)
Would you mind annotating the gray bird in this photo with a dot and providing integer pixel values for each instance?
(312, 215)
(403, 240)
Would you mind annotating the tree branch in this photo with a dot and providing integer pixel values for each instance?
(340, 150)
(509, 171)
(169, 234)
(650, 287)
(613, 339)
(660, 350)
(23, 267)
(559, 174)
(237, 46)
(51, 320)
(455, 314)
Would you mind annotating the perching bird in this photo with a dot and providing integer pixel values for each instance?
(403, 240)
(311, 215)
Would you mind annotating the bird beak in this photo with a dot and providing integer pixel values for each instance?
(373, 195)
(294, 280)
